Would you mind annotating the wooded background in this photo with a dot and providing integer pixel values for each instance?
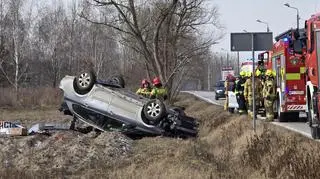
(41, 41)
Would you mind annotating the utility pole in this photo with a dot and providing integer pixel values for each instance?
(253, 84)
(238, 65)
(227, 59)
(209, 75)
(221, 66)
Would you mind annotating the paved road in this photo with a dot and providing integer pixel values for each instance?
(299, 127)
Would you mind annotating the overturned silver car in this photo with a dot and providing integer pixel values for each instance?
(107, 105)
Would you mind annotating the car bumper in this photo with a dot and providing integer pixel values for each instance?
(220, 95)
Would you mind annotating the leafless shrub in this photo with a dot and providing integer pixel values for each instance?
(30, 97)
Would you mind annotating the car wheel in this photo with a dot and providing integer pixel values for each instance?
(231, 110)
(216, 98)
(154, 111)
(118, 81)
(84, 82)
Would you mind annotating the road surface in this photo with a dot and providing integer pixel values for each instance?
(299, 127)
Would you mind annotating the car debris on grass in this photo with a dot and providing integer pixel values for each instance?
(8, 128)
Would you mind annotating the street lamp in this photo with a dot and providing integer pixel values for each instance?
(298, 18)
(268, 30)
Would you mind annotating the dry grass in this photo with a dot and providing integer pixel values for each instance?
(226, 148)
(29, 98)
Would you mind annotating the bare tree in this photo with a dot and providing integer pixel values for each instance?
(13, 38)
(167, 37)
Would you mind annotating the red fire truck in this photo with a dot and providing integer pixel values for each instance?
(311, 40)
(290, 77)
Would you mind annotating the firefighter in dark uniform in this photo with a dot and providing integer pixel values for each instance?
(239, 90)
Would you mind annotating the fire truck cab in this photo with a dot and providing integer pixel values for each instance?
(312, 58)
(290, 77)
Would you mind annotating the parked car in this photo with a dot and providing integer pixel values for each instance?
(219, 90)
(107, 105)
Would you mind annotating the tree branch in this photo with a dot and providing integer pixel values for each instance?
(106, 24)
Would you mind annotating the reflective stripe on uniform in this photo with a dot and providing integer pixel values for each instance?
(293, 76)
(302, 69)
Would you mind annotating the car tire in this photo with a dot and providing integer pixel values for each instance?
(154, 110)
(84, 82)
(117, 81)
(216, 98)
(231, 110)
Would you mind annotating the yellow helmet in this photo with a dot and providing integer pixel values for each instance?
(274, 73)
(242, 73)
(258, 73)
(249, 74)
(269, 73)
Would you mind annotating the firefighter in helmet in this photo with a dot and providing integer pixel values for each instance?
(145, 88)
(269, 95)
(248, 91)
(158, 90)
(259, 87)
(239, 91)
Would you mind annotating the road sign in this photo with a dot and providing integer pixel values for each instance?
(242, 41)
(255, 41)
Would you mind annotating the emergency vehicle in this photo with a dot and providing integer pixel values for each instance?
(290, 77)
(311, 39)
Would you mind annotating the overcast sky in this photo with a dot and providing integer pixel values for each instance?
(239, 15)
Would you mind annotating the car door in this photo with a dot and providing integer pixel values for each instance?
(99, 99)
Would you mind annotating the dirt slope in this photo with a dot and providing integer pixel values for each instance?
(226, 148)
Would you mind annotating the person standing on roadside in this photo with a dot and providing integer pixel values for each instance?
(269, 95)
(239, 90)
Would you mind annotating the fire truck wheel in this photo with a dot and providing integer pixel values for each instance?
(315, 132)
(282, 117)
